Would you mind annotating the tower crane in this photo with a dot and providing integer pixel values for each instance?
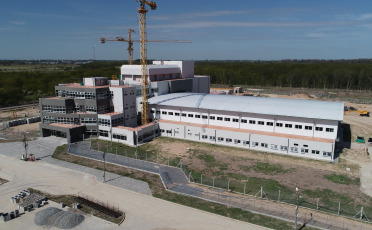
(130, 43)
(143, 41)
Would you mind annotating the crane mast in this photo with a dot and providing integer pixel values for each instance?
(130, 46)
(143, 47)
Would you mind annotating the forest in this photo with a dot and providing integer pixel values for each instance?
(28, 86)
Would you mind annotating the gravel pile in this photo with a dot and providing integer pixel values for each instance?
(58, 218)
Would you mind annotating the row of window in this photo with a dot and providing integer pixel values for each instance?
(245, 121)
(119, 136)
(257, 144)
(57, 109)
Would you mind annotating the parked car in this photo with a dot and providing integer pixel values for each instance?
(370, 140)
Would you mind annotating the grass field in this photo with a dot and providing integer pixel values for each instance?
(37, 68)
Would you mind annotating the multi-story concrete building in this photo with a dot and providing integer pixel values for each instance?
(286, 126)
(181, 107)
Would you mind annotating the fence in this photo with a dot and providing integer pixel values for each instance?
(252, 193)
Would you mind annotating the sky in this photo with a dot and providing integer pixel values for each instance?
(219, 30)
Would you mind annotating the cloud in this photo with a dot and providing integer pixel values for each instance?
(18, 23)
(198, 15)
(317, 35)
(364, 17)
(215, 24)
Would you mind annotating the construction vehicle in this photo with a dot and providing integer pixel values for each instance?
(130, 43)
(363, 113)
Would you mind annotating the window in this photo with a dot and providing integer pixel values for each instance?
(162, 130)
(306, 146)
(197, 116)
(298, 126)
(228, 140)
(176, 114)
(244, 121)
(264, 145)
(303, 151)
(212, 138)
(283, 148)
(219, 118)
(327, 154)
(319, 129)
(288, 125)
(212, 117)
(104, 122)
(170, 113)
(204, 137)
(169, 131)
(227, 119)
(205, 117)
(294, 150)
(220, 138)
(190, 115)
(261, 122)
(330, 130)
(245, 142)
(158, 112)
(308, 127)
(164, 112)
(315, 152)
(252, 122)
(275, 147)
(236, 141)
(184, 114)
(295, 144)
(269, 123)
(152, 111)
(119, 136)
(254, 144)
(103, 133)
(235, 120)
(279, 124)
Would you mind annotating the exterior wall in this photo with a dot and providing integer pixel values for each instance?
(269, 123)
(251, 141)
(202, 85)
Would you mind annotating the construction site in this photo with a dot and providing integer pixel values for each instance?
(158, 147)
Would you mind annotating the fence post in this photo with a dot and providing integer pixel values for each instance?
(98, 146)
(228, 185)
(261, 192)
(190, 176)
(361, 213)
(339, 207)
(279, 196)
(317, 204)
(245, 184)
(146, 156)
(201, 178)
(83, 137)
(157, 158)
(116, 150)
(168, 161)
(213, 182)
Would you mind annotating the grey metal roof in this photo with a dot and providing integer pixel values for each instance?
(259, 105)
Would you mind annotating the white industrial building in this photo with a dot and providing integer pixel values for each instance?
(181, 107)
(286, 126)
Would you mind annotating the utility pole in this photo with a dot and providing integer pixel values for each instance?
(24, 140)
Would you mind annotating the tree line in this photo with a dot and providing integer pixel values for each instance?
(22, 87)
(356, 75)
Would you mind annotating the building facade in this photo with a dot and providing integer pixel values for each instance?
(285, 126)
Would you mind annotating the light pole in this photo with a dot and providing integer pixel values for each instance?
(297, 196)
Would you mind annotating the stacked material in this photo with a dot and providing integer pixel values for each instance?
(31, 200)
(58, 218)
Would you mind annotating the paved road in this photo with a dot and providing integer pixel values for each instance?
(142, 212)
(176, 181)
(43, 149)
